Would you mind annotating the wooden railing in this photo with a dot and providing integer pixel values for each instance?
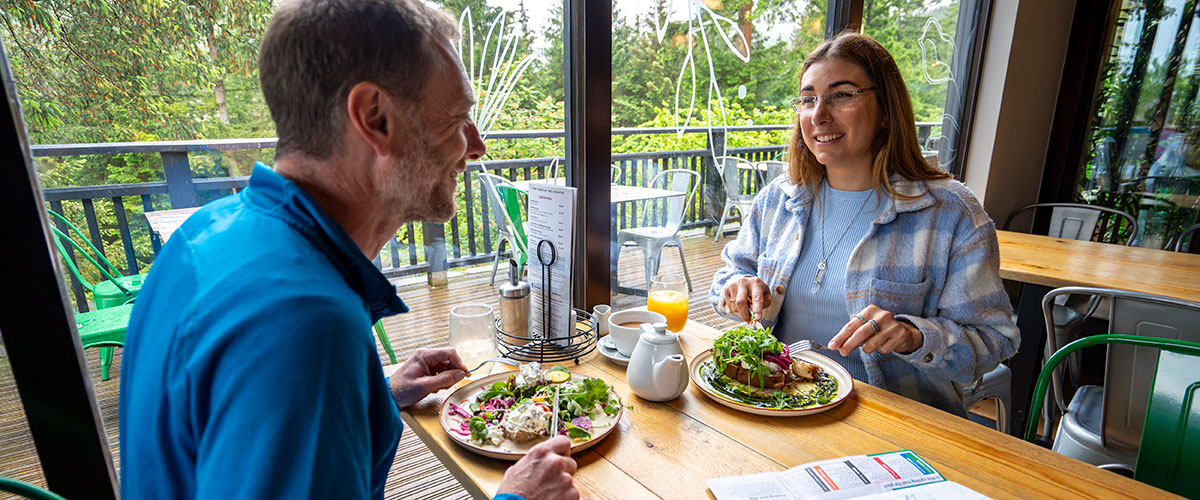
(418, 248)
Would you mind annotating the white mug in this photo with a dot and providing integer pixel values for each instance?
(626, 337)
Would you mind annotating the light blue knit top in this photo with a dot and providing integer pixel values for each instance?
(819, 316)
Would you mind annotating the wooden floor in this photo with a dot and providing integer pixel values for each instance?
(416, 473)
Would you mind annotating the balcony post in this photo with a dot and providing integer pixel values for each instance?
(711, 190)
(178, 173)
(434, 240)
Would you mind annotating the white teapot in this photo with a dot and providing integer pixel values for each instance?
(657, 370)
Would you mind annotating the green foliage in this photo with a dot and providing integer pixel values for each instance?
(138, 70)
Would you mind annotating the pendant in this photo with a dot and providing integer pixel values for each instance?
(820, 276)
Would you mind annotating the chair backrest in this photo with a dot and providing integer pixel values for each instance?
(678, 180)
(1129, 371)
(514, 201)
(92, 254)
(1169, 454)
(730, 168)
(27, 490)
(504, 223)
(1180, 246)
(1076, 221)
(770, 169)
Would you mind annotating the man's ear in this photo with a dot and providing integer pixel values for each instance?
(369, 111)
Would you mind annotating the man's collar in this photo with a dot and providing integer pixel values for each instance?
(283, 198)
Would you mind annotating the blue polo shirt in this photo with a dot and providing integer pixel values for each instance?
(249, 368)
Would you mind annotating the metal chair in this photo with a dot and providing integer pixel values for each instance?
(116, 288)
(1077, 222)
(1172, 421)
(1102, 425)
(383, 340)
(27, 490)
(652, 239)
(997, 385)
(105, 329)
(768, 170)
(506, 215)
(1164, 457)
(1179, 241)
(729, 168)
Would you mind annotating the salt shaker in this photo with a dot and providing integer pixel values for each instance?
(514, 305)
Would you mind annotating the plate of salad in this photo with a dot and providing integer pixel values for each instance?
(749, 370)
(505, 414)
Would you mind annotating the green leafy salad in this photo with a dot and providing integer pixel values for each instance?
(519, 409)
(752, 367)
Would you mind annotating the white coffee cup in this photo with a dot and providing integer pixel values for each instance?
(626, 337)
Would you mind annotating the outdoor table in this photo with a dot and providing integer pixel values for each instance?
(1043, 263)
(165, 222)
(618, 193)
(668, 450)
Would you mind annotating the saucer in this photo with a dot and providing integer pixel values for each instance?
(609, 350)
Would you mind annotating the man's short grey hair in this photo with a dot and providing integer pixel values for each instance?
(315, 51)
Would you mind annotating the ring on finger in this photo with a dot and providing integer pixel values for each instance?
(874, 325)
(864, 320)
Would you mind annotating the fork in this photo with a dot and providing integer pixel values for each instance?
(505, 361)
(804, 345)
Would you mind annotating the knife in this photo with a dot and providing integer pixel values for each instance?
(554, 419)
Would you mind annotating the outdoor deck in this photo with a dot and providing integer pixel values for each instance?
(416, 473)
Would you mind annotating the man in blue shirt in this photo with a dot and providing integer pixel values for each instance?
(250, 370)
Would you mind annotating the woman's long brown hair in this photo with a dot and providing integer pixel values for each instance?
(895, 148)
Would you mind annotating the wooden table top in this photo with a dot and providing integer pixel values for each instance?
(165, 222)
(1057, 262)
(620, 193)
(668, 450)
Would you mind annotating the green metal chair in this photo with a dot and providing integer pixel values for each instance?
(1169, 452)
(506, 202)
(387, 346)
(27, 490)
(105, 329)
(116, 288)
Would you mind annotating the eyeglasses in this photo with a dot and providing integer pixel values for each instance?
(835, 100)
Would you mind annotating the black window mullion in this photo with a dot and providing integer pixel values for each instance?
(842, 15)
(39, 329)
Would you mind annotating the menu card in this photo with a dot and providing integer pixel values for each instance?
(882, 475)
(552, 219)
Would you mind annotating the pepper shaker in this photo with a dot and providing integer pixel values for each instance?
(514, 306)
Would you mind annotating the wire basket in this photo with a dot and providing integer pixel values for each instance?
(535, 348)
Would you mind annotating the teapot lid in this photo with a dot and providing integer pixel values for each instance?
(657, 334)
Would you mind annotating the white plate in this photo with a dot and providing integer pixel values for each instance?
(468, 392)
(609, 350)
(838, 372)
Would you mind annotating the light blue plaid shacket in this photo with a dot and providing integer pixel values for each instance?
(932, 260)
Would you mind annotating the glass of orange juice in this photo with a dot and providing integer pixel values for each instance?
(669, 297)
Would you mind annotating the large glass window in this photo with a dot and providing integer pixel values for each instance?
(1142, 155)
(137, 110)
(923, 36)
(697, 85)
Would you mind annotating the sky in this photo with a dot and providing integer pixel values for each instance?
(540, 12)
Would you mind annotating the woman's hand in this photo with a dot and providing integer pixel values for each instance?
(875, 329)
(746, 295)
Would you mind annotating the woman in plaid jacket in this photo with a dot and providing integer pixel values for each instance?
(916, 306)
